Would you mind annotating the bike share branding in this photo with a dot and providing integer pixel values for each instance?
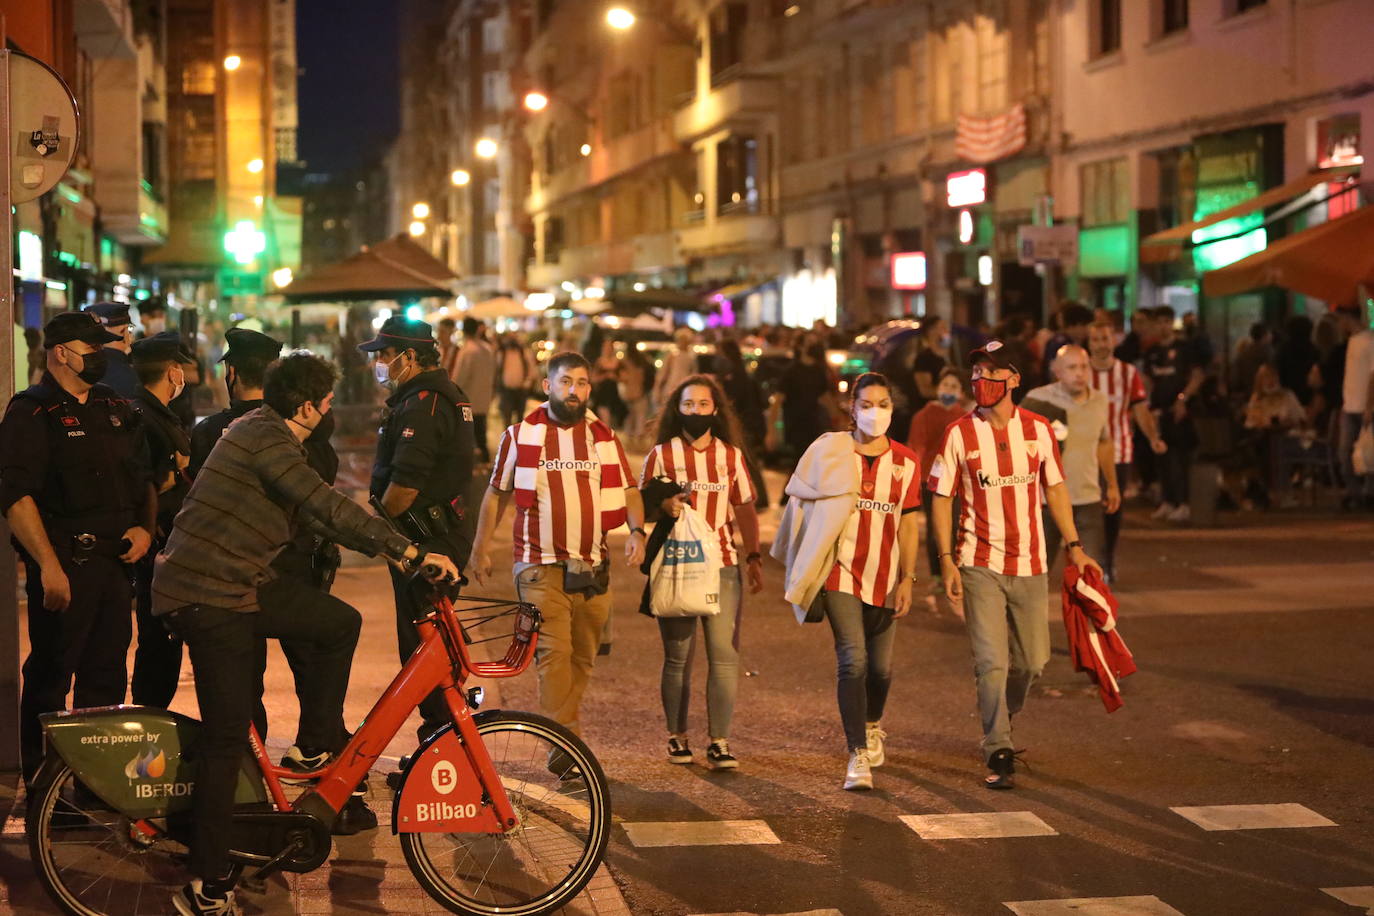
(442, 795)
(140, 760)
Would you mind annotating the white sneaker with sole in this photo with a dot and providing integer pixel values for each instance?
(860, 774)
(1181, 514)
(877, 754)
(1163, 511)
(192, 901)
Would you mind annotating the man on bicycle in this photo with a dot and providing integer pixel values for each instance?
(236, 518)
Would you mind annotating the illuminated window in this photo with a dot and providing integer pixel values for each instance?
(198, 77)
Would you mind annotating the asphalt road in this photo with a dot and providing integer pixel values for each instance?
(1232, 706)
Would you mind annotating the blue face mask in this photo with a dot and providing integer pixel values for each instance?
(948, 400)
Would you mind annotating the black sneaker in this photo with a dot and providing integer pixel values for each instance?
(354, 817)
(718, 756)
(192, 900)
(678, 751)
(1002, 763)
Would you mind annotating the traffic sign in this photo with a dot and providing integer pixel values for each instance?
(42, 129)
(1047, 244)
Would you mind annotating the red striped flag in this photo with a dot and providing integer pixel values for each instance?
(989, 139)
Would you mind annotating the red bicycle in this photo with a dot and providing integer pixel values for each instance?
(499, 812)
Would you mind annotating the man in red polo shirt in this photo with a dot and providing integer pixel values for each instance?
(1001, 460)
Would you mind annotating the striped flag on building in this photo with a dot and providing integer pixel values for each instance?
(992, 138)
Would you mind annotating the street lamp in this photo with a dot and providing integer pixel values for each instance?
(485, 148)
(460, 177)
(232, 62)
(617, 17)
(255, 166)
(536, 101)
(420, 210)
(585, 149)
(417, 229)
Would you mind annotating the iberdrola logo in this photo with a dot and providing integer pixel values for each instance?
(147, 766)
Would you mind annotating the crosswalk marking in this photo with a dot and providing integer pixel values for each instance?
(701, 833)
(1252, 817)
(1094, 906)
(988, 825)
(1355, 896)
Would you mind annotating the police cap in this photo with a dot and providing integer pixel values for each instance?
(161, 348)
(76, 326)
(401, 333)
(247, 343)
(111, 314)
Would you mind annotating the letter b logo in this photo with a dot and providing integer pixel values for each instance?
(444, 777)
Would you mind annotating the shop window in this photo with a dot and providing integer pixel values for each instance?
(1105, 192)
(737, 176)
(1105, 25)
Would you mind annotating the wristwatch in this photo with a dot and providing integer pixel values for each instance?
(412, 565)
(639, 531)
(754, 556)
(1072, 544)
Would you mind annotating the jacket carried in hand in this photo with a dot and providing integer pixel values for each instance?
(1095, 645)
(821, 495)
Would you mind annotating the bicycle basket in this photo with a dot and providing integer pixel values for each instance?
(488, 623)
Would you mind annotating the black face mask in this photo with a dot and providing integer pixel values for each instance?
(323, 429)
(697, 424)
(93, 366)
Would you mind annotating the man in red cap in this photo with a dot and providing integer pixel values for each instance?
(1001, 460)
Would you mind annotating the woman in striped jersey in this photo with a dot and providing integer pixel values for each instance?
(870, 584)
(698, 447)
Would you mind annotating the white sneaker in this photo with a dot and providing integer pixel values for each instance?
(1181, 514)
(859, 775)
(877, 756)
(1164, 511)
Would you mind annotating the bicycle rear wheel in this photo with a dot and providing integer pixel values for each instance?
(564, 807)
(94, 861)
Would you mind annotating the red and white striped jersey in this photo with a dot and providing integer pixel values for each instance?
(716, 478)
(1124, 389)
(565, 522)
(1000, 476)
(866, 563)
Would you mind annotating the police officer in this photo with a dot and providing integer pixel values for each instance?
(76, 491)
(119, 373)
(311, 557)
(423, 466)
(161, 363)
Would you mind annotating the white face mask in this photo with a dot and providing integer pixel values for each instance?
(179, 388)
(382, 371)
(873, 421)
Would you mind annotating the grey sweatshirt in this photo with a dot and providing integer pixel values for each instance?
(240, 513)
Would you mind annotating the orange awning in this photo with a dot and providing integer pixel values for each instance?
(1328, 261)
(1270, 198)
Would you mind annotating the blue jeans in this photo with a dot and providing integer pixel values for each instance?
(1009, 630)
(1356, 485)
(863, 650)
(722, 656)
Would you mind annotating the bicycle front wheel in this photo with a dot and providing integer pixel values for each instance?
(560, 796)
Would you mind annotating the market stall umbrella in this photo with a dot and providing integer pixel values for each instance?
(394, 269)
(496, 307)
(1328, 261)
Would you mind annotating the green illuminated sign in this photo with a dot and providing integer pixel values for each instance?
(245, 242)
(1104, 251)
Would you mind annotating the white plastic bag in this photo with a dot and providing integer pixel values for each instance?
(1363, 458)
(684, 579)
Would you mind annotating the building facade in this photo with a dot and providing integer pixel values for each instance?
(1169, 111)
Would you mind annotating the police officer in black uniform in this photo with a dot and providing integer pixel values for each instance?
(161, 363)
(119, 372)
(76, 490)
(424, 463)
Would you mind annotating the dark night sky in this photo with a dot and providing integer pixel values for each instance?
(348, 87)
